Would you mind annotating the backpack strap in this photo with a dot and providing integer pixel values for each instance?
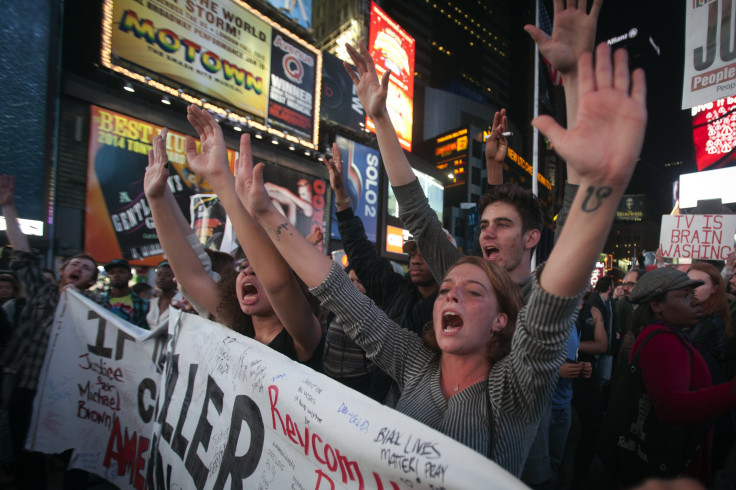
(634, 364)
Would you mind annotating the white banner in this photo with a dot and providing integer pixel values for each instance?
(236, 414)
(697, 236)
(710, 56)
(97, 392)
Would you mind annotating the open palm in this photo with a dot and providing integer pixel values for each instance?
(608, 115)
(212, 162)
(371, 92)
(573, 33)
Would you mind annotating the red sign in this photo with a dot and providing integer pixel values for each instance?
(714, 133)
(393, 49)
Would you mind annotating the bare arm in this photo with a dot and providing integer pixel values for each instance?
(7, 202)
(282, 288)
(372, 94)
(172, 230)
(573, 33)
(599, 344)
(603, 147)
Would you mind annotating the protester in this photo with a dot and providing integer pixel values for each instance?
(26, 349)
(123, 301)
(158, 313)
(675, 373)
(407, 300)
(9, 288)
(144, 290)
(715, 324)
(508, 386)
(270, 306)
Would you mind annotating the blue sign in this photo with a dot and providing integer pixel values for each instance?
(360, 165)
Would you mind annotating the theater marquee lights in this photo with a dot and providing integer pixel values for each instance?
(225, 50)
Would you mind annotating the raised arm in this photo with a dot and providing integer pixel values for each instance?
(280, 284)
(573, 33)
(372, 94)
(172, 232)
(603, 147)
(7, 202)
(414, 209)
(374, 271)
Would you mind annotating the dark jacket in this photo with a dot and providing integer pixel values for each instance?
(394, 293)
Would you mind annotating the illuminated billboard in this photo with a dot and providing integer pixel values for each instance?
(714, 133)
(118, 221)
(360, 165)
(393, 49)
(225, 50)
(451, 155)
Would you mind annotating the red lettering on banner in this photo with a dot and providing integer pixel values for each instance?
(128, 453)
(326, 455)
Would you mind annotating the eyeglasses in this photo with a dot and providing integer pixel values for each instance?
(628, 284)
(240, 264)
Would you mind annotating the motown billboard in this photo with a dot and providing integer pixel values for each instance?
(223, 50)
(393, 49)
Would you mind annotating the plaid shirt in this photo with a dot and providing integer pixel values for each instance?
(26, 349)
(140, 309)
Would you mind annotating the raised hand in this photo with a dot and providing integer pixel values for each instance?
(7, 190)
(371, 92)
(212, 162)
(573, 33)
(496, 144)
(608, 134)
(249, 181)
(334, 167)
(157, 171)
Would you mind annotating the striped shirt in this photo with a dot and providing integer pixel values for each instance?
(27, 347)
(518, 388)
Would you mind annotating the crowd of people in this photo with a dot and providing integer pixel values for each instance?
(511, 361)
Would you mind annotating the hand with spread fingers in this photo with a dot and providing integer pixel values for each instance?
(249, 182)
(371, 92)
(212, 163)
(605, 142)
(157, 171)
(573, 33)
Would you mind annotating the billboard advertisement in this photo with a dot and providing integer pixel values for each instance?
(710, 65)
(393, 49)
(225, 50)
(360, 172)
(291, 97)
(340, 102)
(631, 208)
(299, 196)
(118, 220)
(451, 155)
(714, 133)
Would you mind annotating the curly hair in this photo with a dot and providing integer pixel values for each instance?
(231, 315)
(509, 298)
